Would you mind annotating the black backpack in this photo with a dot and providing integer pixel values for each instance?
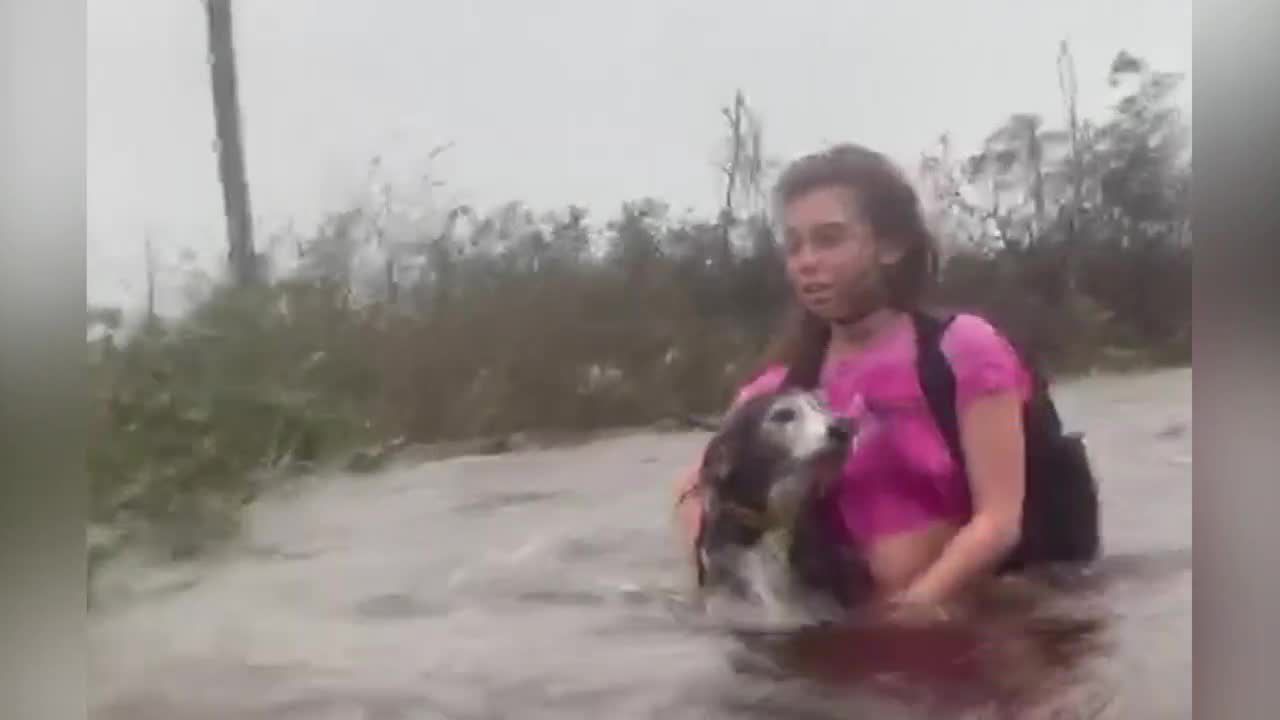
(1060, 511)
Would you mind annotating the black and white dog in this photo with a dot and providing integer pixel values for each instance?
(765, 536)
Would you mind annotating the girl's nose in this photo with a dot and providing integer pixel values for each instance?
(803, 258)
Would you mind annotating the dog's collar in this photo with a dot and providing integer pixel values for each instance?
(753, 519)
(776, 534)
(778, 540)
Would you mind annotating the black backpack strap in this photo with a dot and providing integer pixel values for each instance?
(937, 379)
(1060, 509)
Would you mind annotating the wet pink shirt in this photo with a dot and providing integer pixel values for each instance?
(901, 476)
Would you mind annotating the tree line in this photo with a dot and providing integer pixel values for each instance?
(467, 324)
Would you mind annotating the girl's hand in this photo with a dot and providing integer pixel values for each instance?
(903, 610)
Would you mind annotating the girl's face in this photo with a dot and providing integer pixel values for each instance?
(833, 257)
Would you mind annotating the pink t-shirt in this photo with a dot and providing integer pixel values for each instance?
(901, 475)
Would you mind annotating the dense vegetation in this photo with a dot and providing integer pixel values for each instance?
(476, 325)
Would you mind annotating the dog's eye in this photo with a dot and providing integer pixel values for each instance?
(783, 415)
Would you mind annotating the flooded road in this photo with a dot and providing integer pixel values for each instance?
(547, 585)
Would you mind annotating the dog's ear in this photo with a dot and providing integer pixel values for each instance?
(718, 460)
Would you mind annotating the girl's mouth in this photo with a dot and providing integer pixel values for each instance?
(816, 293)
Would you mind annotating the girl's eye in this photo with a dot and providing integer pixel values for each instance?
(782, 416)
(828, 238)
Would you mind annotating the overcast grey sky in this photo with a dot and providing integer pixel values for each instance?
(551, 101)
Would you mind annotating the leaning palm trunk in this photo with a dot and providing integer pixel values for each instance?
(226, 113)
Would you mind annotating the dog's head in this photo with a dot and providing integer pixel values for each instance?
(772, 452)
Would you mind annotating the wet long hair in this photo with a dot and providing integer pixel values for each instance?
(888, 203)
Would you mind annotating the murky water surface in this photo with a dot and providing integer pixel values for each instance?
(546, 584)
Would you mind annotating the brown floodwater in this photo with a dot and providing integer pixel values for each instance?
(547, 585)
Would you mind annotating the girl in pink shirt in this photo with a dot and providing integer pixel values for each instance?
(858, 259)
(902, 476)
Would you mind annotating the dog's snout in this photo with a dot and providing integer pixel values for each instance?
(839, 430)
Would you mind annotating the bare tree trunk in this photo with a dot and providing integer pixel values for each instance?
(743, 170)
(226, 112)
(151, 281)
(1035, 155)
(393, 289)
(389, 262)
(1067, 82)
(732, 171)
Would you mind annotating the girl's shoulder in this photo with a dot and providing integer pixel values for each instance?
(969, 336)
(982, 357)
